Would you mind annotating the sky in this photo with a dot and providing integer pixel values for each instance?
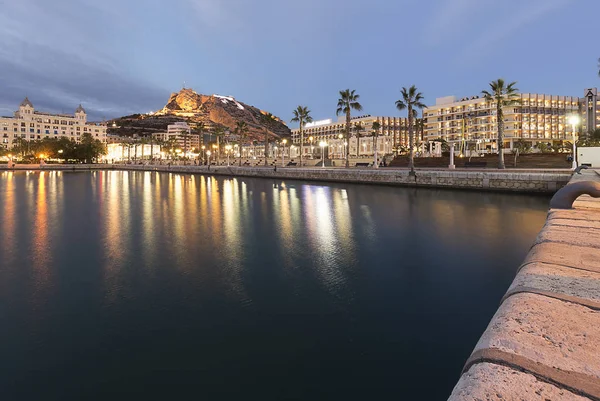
(118, 57)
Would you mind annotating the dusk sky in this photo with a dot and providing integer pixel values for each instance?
(119, 57)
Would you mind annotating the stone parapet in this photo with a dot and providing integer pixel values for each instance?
(543, 343)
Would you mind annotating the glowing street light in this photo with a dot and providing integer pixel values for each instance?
(208, 154)
(574, 121)
(322, 144)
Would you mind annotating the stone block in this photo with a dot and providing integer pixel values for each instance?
(579, 257)
(582, 286)
(490, 382)
(586, 237)
(554, 339)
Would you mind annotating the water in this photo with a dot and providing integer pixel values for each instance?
(131, 285)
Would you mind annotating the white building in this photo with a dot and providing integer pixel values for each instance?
(29, 124)
(134, 151)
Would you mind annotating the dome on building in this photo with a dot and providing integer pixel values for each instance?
(26, 102)
(80, 109)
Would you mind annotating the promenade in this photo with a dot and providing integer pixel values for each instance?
(543, 343)
(514, 180)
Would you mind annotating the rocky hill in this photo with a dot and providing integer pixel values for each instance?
(213, 110)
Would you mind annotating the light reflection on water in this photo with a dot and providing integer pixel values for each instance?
(335, 290)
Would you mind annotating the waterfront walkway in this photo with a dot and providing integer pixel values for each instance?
(543, 343)
(527, 181)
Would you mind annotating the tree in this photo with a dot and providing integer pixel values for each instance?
(411, 100)
(301, 116)
(219, 132)
(90, 149)
(375, 127)
(241, 130)
(503, 95)
(358, 129)
(199, 130)
(124, 145)
(267, 120)
(185, 135)
(347, 102)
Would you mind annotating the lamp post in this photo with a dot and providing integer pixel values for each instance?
(283, 152)
(203, 153)
(208, 154)
(60, 152)
(322, 145)
(574, 121)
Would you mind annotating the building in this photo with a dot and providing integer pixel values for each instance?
(181, 133)
(471, 122)
(29, 124)
(393, 135)
(133, 151)
(590, 110)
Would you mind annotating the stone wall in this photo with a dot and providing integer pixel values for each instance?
(538, 181)
(543, 343)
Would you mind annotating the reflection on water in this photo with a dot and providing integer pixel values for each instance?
(334, 291)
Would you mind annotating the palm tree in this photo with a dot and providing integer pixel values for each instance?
(301, 116)
(199, 130)
(185, 135)
(411, 100)
(347, 102)
(267, 120)
(241, 130)
(358, 128)
(503, 95)
(219, 132)
(375, 127)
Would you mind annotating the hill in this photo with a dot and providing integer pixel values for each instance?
(212, 110)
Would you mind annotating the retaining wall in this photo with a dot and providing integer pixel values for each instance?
(543, 343)
(539, 181)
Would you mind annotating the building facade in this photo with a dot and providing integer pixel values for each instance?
(393, 134)
(181, 133)
(536, 118)
(590, 110)
(29, 124)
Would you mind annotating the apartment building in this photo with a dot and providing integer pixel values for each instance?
(392, 135)
(536, 118)
(30, 124)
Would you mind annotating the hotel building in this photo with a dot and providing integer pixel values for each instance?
(29, 124)
(537, 118)
(392, 134)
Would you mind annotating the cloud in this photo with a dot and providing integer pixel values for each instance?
(503, 28)
(448, 20)
(46, 53)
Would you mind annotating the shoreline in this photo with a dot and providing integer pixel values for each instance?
(517, 181)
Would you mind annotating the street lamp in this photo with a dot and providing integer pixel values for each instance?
(574, 121)
(208, 154)
(322, 144)
(283, 152)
